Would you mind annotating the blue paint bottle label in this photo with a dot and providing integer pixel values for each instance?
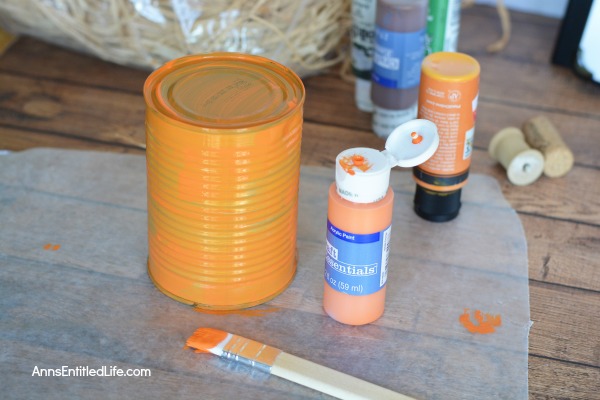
(357, 264)
(398, 57)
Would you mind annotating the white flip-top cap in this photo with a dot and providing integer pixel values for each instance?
(362, 175)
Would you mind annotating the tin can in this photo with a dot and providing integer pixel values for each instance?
(223, 135)
(447, 97)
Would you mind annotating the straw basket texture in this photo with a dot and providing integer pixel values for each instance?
(305, 35)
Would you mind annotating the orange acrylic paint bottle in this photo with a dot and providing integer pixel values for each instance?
(448, 96)
(359, 221)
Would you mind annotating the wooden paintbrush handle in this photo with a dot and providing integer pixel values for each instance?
(327, 380)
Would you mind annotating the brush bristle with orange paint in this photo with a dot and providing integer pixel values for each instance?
(274, 361)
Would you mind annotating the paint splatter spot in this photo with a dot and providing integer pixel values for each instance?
(416, 138)
(485, 323)
(51, 247)
(355, 161)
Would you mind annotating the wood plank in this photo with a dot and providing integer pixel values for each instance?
(545, 88)
(574, 197)
(580, 133)
(565, 324)
(562, 252)
(331, 101)
(551, 379)
(20, 139)
(107, 116)
(532, 36)
(34, 58)
(517, 17)
(538, 83)
(97, 114)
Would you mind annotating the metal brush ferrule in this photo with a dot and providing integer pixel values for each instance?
(248, 352)
(247, 361)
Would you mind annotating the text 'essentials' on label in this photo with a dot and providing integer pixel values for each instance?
(356, 264)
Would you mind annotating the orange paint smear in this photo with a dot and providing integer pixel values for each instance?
(355, 161)
(205, 339)
(243, 313)
(52, 247)
(485, 323)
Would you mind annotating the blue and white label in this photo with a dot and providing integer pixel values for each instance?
(398, 57)
(356, 264)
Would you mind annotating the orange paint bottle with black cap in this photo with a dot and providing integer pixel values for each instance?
(448, 96)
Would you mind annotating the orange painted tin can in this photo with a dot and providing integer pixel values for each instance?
(223, 134)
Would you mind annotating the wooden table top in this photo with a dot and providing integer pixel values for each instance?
(51, 97)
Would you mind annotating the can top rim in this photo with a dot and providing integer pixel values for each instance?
(223, 91)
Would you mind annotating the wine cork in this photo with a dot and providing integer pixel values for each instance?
(541, 134)
(523, 164)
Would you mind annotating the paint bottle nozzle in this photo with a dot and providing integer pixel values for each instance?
(363, 174)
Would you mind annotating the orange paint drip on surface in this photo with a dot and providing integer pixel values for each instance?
(205, 339)
(355, 161)
(486, 323)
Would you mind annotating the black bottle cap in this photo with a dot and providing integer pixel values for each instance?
(437, 206)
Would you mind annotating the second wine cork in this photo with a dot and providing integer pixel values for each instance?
(523, 164)
(541, 134)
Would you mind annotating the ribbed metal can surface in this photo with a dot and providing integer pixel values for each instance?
(223, 135)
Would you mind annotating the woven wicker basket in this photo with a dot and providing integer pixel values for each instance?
(305, 35)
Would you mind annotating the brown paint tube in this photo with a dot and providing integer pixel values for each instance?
(400, 34)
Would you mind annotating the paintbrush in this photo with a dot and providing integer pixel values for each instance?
(274, 361)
